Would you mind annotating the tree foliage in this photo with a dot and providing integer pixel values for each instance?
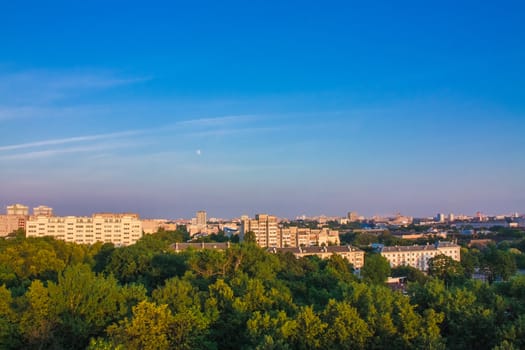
(56, 295)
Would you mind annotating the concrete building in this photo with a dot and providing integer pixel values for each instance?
(11, 223)
(352, 216)
(269, 234)
(180, 247)
(42, 210)
(354, 255)
(201, 218)
(15, 218)
(265, 227)
(17, 209)
(150, 226)
(119, 229)
(417, 256)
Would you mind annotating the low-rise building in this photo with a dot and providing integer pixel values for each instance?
(418, 256)
(150, 226)
(180, 247)
(354, 255)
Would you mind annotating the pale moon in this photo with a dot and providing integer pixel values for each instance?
(198, 152)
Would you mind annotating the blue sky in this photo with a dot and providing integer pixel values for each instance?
(289, 107)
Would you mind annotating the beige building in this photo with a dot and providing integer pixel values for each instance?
(354, 255)
(15, 219)
(201, 218)
(418, 255)
(119, 229)
(42, 210)
(352, 216)
(17, 209)
(11, 223)
(151, 226)
(265, 227)
(269, 234)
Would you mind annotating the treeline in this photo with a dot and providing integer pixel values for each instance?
(56, 295)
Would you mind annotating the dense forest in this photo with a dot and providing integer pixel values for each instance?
(57, 295)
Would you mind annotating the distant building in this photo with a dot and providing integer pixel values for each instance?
(418, 256)
(440, 217)
(17, 209)
(11, 223)
(119, 229)
(268, 233)
(42, 210)
(201, 218)
(264, 227)
(15, 218)
(180, 247)
(354, 255)
(150, 226)
(424, 235)
(352, 216)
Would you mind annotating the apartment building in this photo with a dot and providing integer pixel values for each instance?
(418, 256)
(119, 229)
(265, 227)
(42, 210)
(269, 234)
(303, 237)
(354, 255)
(14, 219)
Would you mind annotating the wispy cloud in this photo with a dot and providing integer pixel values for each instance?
(61, 151)
(155, 138)
(62, 141)
(209, 122)
(225, 132)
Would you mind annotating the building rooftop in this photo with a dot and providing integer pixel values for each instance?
(315, 249)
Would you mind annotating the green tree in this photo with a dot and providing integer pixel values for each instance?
(40, 319)
(411, 273)
(249, 237)
(86, 304)
(346, 329)
(498, 264)
(445, 268)
(376, 269)
(8, 321)
(148, 329)
(308, 329)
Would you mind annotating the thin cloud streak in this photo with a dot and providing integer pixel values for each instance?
(55, 152)
(129, 133)
(219, 120)
(69, 140)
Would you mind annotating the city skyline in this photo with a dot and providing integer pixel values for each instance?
(263, 108)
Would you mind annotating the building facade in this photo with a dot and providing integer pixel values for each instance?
(14, 219)
(265, 228)
(17, 209)
(418, 256)
(119, 229)
(42, 210)
(268, 233)
(354, 255)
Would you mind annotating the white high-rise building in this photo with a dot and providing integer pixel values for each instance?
(119, 229)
